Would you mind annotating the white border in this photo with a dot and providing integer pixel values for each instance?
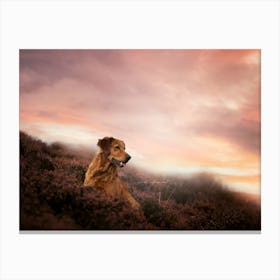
(145, 24)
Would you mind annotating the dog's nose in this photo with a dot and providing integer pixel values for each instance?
(127, 158)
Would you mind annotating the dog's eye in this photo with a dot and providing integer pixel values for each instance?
(117, 148)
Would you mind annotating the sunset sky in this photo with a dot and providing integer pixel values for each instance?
(178, 111)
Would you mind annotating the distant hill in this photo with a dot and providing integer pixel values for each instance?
(51, 197)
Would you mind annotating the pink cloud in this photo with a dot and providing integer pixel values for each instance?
(172, 106)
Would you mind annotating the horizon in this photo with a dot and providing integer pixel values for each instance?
(156, 174)
(178, 111)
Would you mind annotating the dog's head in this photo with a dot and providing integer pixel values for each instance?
(114, 150)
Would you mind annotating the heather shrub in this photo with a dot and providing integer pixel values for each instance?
(51, 197)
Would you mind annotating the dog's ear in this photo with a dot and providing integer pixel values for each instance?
(105, 143)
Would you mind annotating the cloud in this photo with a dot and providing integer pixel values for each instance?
(177, 108)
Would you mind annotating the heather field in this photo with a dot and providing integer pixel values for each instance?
(51, 197)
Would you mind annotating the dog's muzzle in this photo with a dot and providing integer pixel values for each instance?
(121, 163)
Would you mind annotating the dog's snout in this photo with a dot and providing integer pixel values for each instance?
(127, 158)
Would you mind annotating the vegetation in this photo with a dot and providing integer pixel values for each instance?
(51, 197)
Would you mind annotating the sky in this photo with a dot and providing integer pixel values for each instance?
(178, 111)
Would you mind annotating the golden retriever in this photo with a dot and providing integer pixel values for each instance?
(103, 169)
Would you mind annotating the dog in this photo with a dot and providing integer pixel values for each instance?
(103, 170)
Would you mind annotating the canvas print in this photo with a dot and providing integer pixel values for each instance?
(146, 140)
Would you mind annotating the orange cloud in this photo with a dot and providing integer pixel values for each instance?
(241, 179)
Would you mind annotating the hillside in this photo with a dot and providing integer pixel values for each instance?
(51, 197)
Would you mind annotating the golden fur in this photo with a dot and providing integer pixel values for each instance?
(103, 169)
